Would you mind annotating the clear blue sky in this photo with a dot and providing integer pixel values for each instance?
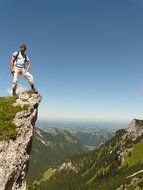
(87, 55)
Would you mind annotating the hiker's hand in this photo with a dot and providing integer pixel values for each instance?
(26, 70)
(12, 70)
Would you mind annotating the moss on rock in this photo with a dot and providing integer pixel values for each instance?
(7, 114)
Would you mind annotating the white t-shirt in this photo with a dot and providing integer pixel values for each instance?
(20, 61)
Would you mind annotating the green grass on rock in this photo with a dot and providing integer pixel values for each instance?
(7, 114)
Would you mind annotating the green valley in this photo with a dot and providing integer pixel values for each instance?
(48, 150)
(115, 165)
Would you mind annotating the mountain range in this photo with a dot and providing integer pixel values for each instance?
(48, 150)
(115, 165)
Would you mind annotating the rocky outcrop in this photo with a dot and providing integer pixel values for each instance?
(68, 166)
(135, 129)
(132, 132)
(14, 154)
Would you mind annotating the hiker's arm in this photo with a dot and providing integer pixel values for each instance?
(28, 65)
(12, 64)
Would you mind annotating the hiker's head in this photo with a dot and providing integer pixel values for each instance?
(23, 48)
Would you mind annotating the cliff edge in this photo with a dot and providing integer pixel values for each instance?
(15, 149)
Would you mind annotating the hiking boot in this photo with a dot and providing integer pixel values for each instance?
(14, 92)
(33, 89)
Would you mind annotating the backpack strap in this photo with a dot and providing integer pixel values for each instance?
(25, 58)
(15, 57)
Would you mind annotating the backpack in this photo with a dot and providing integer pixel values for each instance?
(15, 59)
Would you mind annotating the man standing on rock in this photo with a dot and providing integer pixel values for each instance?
(20, 64)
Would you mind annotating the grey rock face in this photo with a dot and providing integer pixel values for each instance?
(14, 154)
(135, 129)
